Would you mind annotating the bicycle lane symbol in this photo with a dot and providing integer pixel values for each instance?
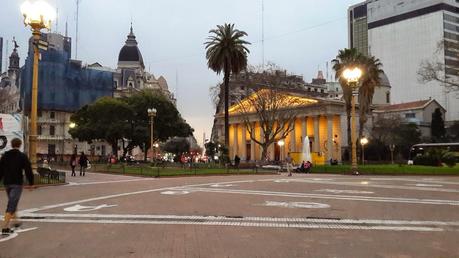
(15, 234)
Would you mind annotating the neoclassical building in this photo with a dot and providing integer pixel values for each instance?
(321, 119)
(131, 76)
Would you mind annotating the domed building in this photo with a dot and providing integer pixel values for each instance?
(130, 75)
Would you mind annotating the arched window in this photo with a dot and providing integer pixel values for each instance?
(388, 97)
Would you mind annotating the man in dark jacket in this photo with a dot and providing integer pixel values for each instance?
(12, 165)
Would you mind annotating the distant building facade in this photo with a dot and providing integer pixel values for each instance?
(64, 86)
(416, 112)
(131, 76)
(403, 34)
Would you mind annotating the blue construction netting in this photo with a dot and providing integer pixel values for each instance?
(63, 85)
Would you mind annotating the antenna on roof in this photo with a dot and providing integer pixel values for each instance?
(66, 28)
(76, 33)
(263, 33)
(176, 87)
(57, 20)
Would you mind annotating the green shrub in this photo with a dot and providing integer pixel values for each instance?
(436, 157)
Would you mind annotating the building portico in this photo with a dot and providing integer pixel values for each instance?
(320, 120)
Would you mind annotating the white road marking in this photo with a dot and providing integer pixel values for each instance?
(426, 185)
(175, 192)
(221, 185)
(364, 184)
(336, 191)
(79, 208)
(324, 196)
(109, 182)
(47, 207)
(304, 205)
(388, 225)
(15, 234)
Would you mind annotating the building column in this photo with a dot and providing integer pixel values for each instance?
(329, 137)
(293, 137)
(235, 141)
(261, 140)
(316, 145)
(304, 128)
(244, 142)
(252, 143)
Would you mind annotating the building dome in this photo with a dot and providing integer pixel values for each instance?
(384, 81)
(130, 52)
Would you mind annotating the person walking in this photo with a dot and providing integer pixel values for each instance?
(12, 165)
(237, 161)
(83, 163)
(73, 163)
(289, 161)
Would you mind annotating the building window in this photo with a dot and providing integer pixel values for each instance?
(115, 84)
(52, 115)
(51, 149)
(52, 130)
(39, 130)
(387, 97)
(410, 115)
(39, 113)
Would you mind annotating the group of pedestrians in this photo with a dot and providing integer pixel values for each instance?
(82, 161)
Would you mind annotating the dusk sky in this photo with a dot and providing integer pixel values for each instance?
(300, 36)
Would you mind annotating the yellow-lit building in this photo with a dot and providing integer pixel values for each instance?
(322, 120)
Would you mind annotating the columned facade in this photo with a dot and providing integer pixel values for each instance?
(321, 122)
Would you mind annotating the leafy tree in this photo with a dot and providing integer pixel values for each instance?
(177, 145)
(211, 149)
(112, 120)
(435, 70)
(167, 123)
(106, 119)
(406, 136)
(437, 126)
(227, 53)
(453, 132)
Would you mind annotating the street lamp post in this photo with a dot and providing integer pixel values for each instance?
(352, 75)
(392, 148)
(363, 142)
(38, 15)
(281, 144)
(151, 113)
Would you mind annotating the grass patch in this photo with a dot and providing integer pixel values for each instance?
(388, 170)
(168, 171)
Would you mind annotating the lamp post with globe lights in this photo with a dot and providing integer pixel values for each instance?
(363, 142)
(353, 75)
(281, 144)
(151, 113)
(38, 15)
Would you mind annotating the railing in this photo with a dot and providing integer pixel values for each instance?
(48, 176)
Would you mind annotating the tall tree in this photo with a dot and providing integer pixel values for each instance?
(437, 126)
(274, 112)
(106, 119)
(371, 68)
(226, 52)
(346, 58)
(167, 123)
(370, 80)
(435, 69)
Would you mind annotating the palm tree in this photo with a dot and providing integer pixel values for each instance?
(227, 52)
(346, 58)
(371, 78)
(371, 67)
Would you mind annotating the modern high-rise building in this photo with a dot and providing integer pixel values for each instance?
(403, 34)
(1, 54)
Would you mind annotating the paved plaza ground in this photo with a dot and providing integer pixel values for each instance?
(104, 215)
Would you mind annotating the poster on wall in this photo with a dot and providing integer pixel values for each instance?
(10, 128)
